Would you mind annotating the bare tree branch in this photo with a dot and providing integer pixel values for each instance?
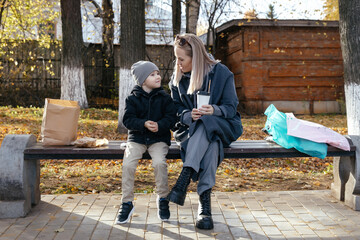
(213, 11)
(98, 8)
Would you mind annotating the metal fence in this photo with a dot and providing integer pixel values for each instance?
(29, 73)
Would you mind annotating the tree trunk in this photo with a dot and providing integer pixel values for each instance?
(192, 15)
(72, 67)
(176, 16)
(108, 75)
(132, 48)
(210, 40)
(350, 46)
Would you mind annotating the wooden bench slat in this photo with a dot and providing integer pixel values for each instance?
(238, 149)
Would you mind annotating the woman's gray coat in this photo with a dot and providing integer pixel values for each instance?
(224, 128)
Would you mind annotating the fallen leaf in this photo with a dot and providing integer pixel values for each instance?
(59, 230)
(317, 183)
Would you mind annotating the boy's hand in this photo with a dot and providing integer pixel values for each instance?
(152, 126)
(195, 114)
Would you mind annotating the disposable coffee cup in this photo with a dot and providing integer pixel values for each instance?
(202, 98)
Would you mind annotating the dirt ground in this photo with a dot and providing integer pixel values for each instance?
(232, 175)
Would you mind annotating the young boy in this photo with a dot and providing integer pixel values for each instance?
(149, 115)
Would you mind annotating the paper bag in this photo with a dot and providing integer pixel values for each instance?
(60, 122)
(276, 126)
(89, 142)
(315, 132)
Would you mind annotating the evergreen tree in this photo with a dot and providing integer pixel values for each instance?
(271, 13)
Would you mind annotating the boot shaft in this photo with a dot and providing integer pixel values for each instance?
(184, 179)
(205, 203)
(178, 192)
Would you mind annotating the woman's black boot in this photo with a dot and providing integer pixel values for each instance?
(204, 219)
(178, 192)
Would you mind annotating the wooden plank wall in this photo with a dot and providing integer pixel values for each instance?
(298, 69)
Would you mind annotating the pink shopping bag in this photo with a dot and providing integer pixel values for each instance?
(315, 132)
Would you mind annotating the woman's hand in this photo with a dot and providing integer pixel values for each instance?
(206, 110)
(152, 126)
(195, 114)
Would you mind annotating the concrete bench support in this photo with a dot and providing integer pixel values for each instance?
(19, 179)
(346, 185)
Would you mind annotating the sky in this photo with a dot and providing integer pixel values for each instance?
(284, 9)
(288, 9)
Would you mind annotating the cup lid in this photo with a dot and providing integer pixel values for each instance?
(202, 93)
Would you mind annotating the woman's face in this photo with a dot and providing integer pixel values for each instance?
(184, 61)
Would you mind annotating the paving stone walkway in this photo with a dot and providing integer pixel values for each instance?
(245, 215)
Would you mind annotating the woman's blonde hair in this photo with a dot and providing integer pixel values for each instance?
(201, 61)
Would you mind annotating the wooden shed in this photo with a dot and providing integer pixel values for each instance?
(294, 64)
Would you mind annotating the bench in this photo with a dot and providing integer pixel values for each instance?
(20, 166)
(238, 149)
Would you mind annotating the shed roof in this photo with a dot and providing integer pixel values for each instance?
(275, 23)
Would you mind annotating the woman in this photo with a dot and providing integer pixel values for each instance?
(202, 131)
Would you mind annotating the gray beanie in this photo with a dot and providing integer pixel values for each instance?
(141, 70)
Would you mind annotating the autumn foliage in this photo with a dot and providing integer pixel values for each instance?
(93, 176)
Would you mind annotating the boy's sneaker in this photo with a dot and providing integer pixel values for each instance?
(126, 210)
(163, 207)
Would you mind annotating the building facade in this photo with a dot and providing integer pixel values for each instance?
(294, 64)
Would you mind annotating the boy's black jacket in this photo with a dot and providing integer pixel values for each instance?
(156, 106)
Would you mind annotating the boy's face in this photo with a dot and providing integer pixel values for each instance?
(153, 81)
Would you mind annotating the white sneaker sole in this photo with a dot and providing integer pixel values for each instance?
(125, 221)
(163, 220)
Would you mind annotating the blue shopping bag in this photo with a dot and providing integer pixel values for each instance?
(276, 126)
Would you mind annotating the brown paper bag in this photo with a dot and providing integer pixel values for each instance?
(60, 122)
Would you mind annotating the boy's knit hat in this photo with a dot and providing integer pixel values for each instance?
(141, 70)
